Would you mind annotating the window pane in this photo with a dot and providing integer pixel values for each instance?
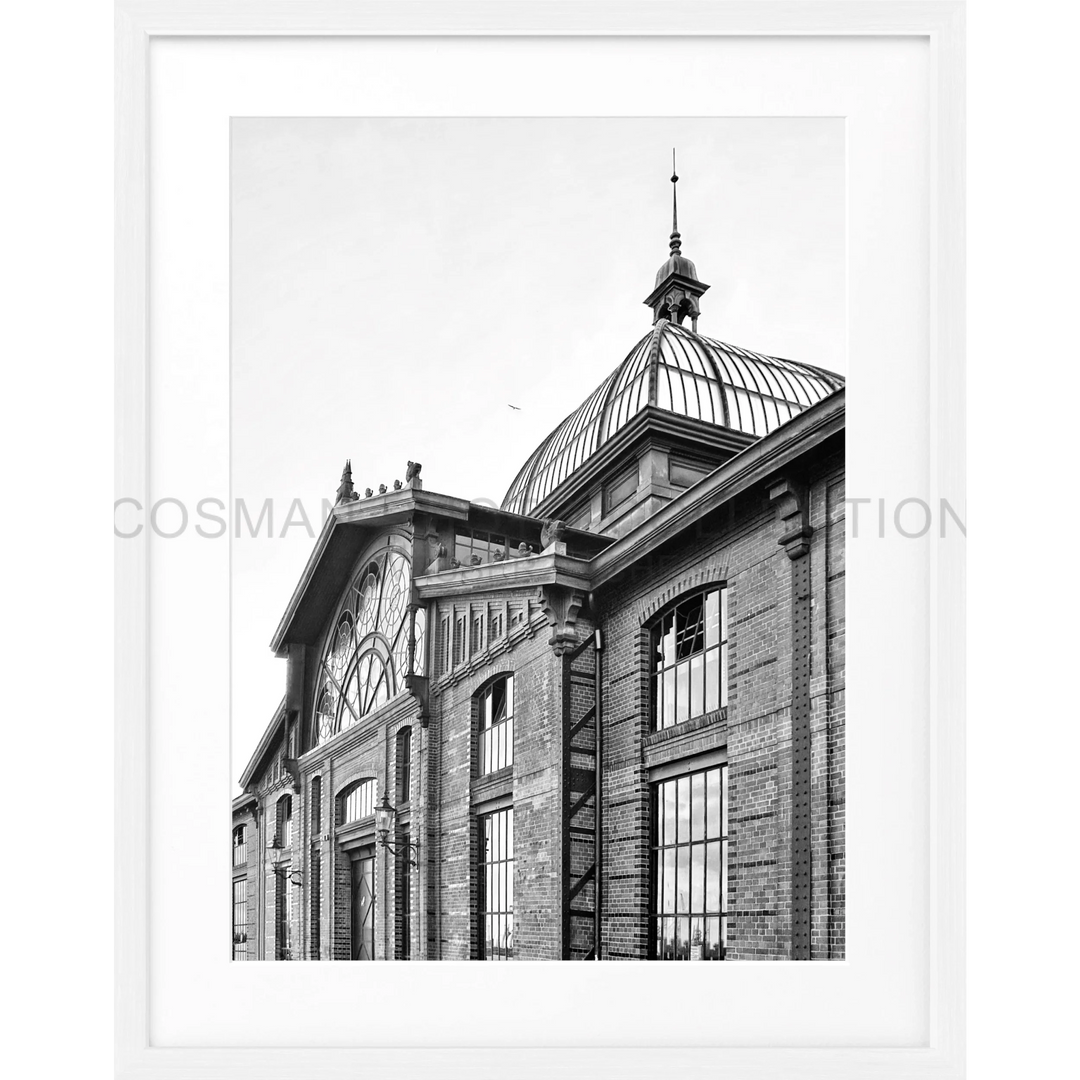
(724, 800)
(669, 698)
(712, 877)
(712, 939)
(723, 614)
(670, 790)
(723, 875)
(682, 938)
(667, 646)
(723, 675)
(669, 881)
(697, 939)
(697, 877)
(697, 806)
(712, 618)
(712, 680)
(682, 898)
(682, 691)
(712, 809)
(684, 809)
(658, 884)
(697, 685)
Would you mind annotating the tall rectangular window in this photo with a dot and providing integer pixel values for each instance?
(690, 652)
(283, 912)
(460, 638)
(497, 726)
(497, 885)
(689, 878)
(284, 821)
(404, 897)
(315, 871)
(403, 770)
(444, 644)
(239, 845)
(239, 919)
(477, 643)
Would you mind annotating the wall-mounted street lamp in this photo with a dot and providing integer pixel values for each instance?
(282, 868)
(384, 823)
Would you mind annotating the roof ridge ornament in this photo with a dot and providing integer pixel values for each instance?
(345, 491)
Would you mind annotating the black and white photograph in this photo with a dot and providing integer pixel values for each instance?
(538, 570)
(505, 558)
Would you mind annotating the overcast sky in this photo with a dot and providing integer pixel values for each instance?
(397, 284)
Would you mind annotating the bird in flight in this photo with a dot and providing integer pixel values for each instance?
(516, 408)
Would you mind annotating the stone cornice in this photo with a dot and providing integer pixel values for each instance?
(532, 571)
(399, 707)
(755, 464)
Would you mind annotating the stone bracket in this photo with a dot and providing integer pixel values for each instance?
(792, 502)
(561, 605)
(292, 767)
(418, 687)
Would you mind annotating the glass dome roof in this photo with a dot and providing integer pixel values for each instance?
(683, 372)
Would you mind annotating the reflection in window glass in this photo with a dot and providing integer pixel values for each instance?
(688, 887)
(497, 726)
(690, 647)
(497, 885)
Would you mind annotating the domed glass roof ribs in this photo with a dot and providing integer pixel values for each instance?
(681, 372)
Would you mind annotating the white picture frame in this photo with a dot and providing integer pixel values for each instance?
(941, 23)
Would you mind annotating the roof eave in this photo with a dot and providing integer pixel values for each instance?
(266, 743)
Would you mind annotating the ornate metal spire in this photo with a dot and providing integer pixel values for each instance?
(676, 239)
(678, 289)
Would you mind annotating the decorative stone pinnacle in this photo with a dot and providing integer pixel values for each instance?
(345, 492)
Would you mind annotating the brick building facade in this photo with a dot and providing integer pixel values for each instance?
(605, 720)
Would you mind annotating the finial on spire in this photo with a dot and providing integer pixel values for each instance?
(676, 239)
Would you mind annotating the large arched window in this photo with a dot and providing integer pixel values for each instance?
(496, 725)
(366, 657)
(689, 658)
